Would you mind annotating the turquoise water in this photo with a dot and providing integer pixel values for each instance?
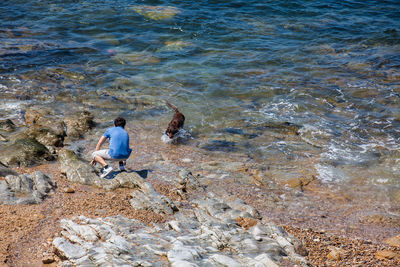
(300, 85)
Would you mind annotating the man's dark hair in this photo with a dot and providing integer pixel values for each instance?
(120, 122)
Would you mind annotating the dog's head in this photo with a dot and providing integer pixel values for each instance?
(172, 129)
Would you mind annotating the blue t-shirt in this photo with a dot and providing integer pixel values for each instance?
(119, 142)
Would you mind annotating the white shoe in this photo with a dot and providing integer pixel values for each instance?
(106, 171)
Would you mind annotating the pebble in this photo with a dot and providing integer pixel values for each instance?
(48, 260)
(334, 255)
(386, 254)
(393, 241)
(69, 190)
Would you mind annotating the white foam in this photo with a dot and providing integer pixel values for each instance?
(315, 135)
(329, 173)
(382, 180)
(339, 152)
(165, 138)
(182, 134)
(283, 110)
(10, 105)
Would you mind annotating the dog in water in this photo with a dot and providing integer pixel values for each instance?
(174, 126)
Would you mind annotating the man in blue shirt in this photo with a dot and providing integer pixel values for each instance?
(119, 147)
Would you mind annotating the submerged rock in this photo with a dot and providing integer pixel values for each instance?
(283, 127)
(174, 46)
(139, 58)
(24, 45)
(7, 125)
(393, 241)
(387, 255)
(68, 74)
(156, 12)
(4, 171)
(3, 138)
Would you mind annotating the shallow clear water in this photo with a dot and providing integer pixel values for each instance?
(303, 86)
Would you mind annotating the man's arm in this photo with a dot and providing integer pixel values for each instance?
(101, 142)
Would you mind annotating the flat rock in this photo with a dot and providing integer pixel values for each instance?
(26, 188)
(146, 198)
(80, 171)
(197, 238)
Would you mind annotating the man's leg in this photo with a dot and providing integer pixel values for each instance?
(100, 156)
(100, 160)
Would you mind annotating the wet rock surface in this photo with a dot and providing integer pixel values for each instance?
(72, 126)
(42, 136)
(7, 125)
(78, 124)
(25, 152)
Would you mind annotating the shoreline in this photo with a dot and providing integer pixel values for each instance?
(308, 209)
(24, 243)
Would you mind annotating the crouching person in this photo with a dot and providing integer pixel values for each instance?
(118, 148)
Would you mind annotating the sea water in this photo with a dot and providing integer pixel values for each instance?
(298, 85)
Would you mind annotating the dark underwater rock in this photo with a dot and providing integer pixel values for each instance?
(7, 125)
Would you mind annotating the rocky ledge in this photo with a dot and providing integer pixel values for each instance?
(200, 228)
(203, 231)
(24, 188)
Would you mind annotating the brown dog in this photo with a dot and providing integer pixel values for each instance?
(176, 123)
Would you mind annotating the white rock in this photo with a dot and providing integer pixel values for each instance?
(225, 260)
(283, 242)
(250, 246)
(183, 264)
(69, 250)
(263, 260)
(180, 252)
(84, 231)
(175, 226)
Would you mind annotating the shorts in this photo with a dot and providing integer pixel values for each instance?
(103, 153)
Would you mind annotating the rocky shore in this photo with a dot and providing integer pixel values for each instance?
(177, 205)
